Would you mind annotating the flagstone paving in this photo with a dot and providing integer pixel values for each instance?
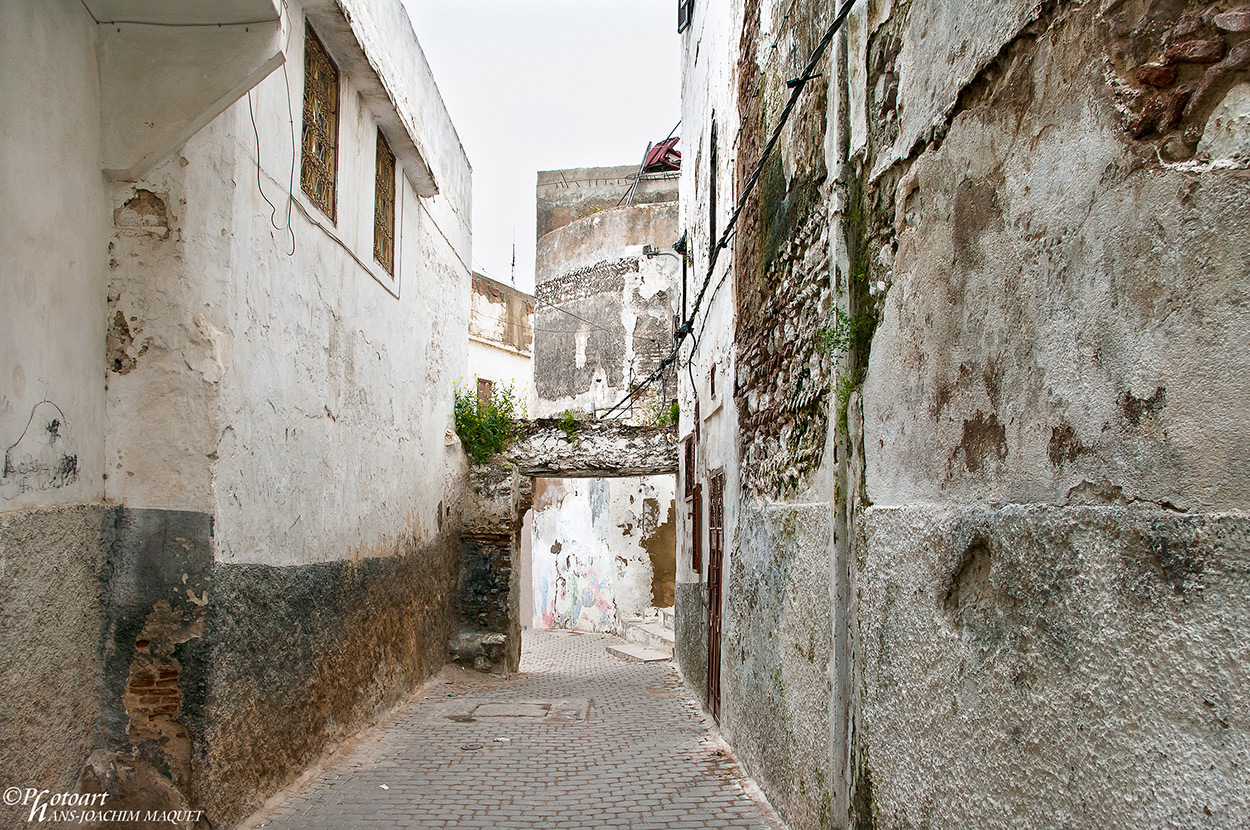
(579, 739)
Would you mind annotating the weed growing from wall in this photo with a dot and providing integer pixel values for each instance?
(837, 338)
(486, 427)
(663, 414)
(568, 425)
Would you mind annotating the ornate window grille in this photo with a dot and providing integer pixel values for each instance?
(321, 124)
(384, 207)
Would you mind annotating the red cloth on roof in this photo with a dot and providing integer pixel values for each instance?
(663, 156)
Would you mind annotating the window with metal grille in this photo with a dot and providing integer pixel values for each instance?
(384, 207)
(321, 124)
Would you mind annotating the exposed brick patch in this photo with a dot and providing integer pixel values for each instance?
(1189, 54)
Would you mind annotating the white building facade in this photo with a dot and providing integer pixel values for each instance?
(230, 340)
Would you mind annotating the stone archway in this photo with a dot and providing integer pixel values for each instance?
(488, 616)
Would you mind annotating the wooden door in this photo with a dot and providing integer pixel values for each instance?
(715, 562)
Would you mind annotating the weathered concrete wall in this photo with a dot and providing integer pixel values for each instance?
(603, 550)
(50, 633)
(53, 230)
(1060, 326)
(605, 311)
(565, 196)
(1018, 456)
(1090, 659)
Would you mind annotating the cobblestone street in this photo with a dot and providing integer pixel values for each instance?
(579, 739)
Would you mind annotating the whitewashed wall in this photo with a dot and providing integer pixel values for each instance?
(303, 399)
(591, 567)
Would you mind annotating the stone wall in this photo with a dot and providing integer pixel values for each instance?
(985, 343)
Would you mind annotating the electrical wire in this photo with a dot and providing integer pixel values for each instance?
(799, 84)
(290, 193)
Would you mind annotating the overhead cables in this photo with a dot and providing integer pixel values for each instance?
(796, 89)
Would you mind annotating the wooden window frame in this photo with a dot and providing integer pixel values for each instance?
(320, 170)
(688, 469)
(384, 194)
(696, 535)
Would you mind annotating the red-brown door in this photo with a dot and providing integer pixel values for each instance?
(715, 561)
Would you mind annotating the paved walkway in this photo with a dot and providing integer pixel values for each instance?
(579, 739)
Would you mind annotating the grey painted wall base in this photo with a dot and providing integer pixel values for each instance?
(139, 666)
(690, 635)
(1050, 656)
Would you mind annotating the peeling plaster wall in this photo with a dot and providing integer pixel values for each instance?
(265, 371)
(52, 228)
(1010, 502)
(594, 268)
(281, 420)
(594, 544)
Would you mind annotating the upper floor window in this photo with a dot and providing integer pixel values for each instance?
(384, 207)
(713, 172)
(321, 124)
(685, 8)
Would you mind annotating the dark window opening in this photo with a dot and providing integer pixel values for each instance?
(685, 10)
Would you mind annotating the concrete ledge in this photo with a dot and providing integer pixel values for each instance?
(637, 653)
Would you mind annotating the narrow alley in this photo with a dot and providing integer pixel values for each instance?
(580, 738)
(368, 367)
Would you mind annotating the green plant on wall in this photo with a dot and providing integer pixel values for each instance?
(837, 338)
(568, 425)
(663, 414)
(842, 389)
(485, 427)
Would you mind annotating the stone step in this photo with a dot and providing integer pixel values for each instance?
(667, 617)
(637, 653)
(649, 633)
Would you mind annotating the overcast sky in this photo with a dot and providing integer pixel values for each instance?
(542, 85)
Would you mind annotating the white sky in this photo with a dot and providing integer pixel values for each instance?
(543, 85)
